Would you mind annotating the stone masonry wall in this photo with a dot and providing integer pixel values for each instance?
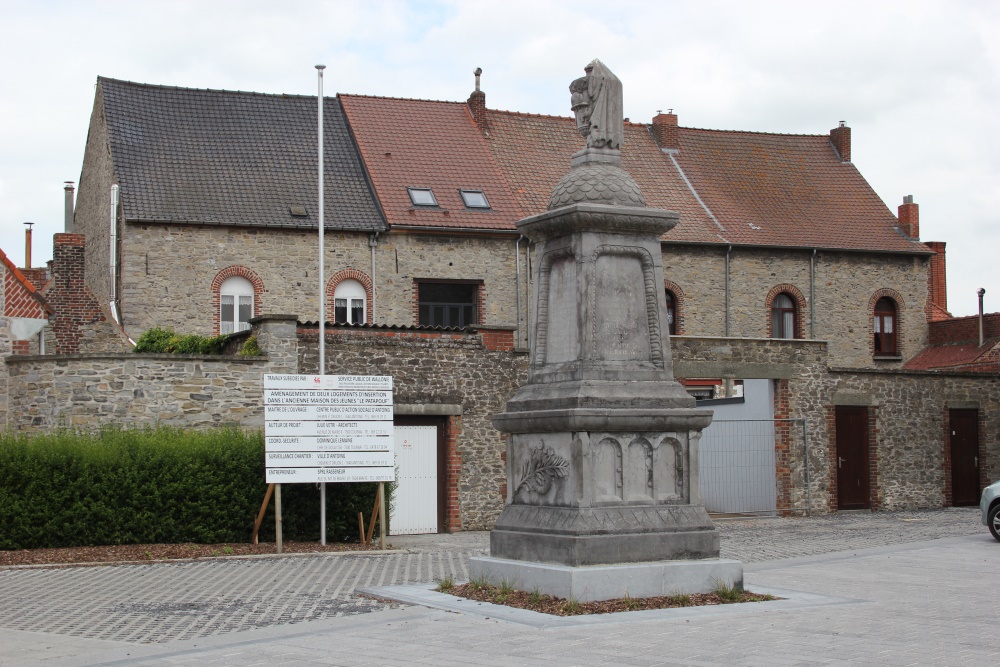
(434, 368)
(91, 390)
(909, 464)
(168, 271)
(845, 284)
(93, 201)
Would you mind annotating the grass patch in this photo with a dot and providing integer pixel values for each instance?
(504, 594)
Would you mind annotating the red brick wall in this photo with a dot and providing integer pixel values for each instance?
(666, 131)
(74, 305)
(840, 137)
(937, 283)
(909, 219)
(453, 475)
(477, 107)
(782, 448)
(963, 329)
(497, 339)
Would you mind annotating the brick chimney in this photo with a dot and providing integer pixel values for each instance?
(840, 137)
(477, 104)
(937, 284)
(665, 131)
(909, 217)
(75, 308)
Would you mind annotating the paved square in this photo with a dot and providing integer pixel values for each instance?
(928, 582)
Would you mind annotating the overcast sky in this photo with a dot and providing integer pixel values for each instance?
(918, 82)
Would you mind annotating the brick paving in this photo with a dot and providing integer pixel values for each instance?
(187, 602)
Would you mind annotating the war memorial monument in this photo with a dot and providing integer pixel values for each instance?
(602, 452)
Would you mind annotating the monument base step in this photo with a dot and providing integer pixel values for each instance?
(607, 582)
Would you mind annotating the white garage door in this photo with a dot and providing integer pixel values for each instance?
(415, 502)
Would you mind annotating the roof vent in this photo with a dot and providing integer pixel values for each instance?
(298, 211)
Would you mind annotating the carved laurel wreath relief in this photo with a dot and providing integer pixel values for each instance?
(541, 469)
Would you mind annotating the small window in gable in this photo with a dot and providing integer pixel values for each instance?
(886, 336)
(422, 196)
(783, 317)
(474, 199)
(349, 303)
(235, 305)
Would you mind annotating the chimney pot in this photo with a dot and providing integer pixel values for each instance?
(68, 218)
(477, 104)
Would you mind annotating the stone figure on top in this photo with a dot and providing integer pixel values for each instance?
(597, 102)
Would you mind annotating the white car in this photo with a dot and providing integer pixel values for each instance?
(990, 506)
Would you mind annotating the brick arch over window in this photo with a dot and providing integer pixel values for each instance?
(350, 274)
(679, 306)
(897, 299)
(235, 271)
(800, 308)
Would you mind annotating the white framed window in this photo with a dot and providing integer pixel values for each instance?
(349, 303)
(422, 197)
(235, 305)
(474, 199)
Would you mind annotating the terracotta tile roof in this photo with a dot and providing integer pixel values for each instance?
(935, 313)
(787, 190)
(219, 157)
(963, 356)
(427, 144)
(21, 299)
(534, 152)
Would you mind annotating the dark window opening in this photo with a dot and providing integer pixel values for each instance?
(447, 304)
(885, 327)
(356, 314)
(783, 317)
(671, 313)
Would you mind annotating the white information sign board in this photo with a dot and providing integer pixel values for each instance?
(328, 428)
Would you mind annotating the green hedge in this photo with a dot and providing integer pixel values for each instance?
(162, 484)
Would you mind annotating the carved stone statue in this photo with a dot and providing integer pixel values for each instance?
(597, 102)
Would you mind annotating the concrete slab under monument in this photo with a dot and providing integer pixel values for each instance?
(592, 583)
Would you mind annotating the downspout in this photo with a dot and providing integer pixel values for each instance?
(372, 243)
(727, 289)
(517, 285)
(113, 255)
(527, 306)
(812, 295)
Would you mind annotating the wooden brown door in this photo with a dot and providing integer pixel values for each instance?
(852, 458)
(964, 436)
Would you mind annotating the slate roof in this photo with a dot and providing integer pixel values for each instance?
(426, 144)
(232, 158)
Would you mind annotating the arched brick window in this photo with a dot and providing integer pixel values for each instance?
(675, 307)
(236, 297)
(886, 308)
(349, 297)
(785, 312)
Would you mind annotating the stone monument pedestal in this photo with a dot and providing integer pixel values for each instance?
(602, 456)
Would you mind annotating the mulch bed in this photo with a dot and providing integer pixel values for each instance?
(130, 553)
(548, 604)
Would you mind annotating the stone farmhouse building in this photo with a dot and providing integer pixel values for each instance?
(197, 211)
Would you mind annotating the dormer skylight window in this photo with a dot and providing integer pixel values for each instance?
(474, 199)
(422, 197)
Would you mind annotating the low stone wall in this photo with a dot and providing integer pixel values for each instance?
(92, 390)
